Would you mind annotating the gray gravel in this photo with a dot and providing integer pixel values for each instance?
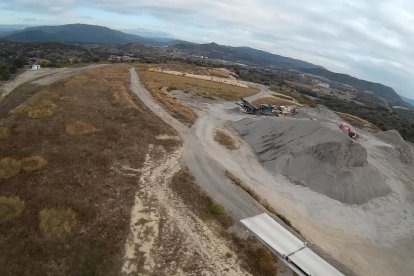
(312, 154)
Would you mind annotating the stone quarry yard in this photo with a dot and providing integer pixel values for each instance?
(350, 200)
(120, 170)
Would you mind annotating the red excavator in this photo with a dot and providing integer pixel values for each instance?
(348, 130)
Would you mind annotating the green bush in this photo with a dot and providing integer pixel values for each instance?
(217, 209)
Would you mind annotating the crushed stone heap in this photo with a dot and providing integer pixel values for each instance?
(315, 155)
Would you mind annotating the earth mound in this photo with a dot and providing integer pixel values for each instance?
(316, 155)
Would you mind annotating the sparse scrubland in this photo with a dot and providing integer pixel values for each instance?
(225, 91)
(254, 257)
(155, 81)
(64, 208)
(236, 180)
(69, 175)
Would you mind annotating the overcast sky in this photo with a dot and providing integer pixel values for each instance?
(367, 39)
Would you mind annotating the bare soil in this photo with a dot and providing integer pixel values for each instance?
(275, 100)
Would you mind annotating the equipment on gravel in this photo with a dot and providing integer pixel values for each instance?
(348, 130)
(266, 109)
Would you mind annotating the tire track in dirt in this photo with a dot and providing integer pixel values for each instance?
(166, 237)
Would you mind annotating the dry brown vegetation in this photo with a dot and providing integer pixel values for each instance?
(4, 133)
(80, 175)
(177, 109)
(191, 69)
(80, 128)
(69, 99)
(156, 80)
(300, 98)
(9, 167)
(254, 257)
(10, 208)
(256, 197)
(40, 105)
(358, 122)
(57, 224)
(225, 139)
(284, 97)
(121, 97)
(33, 163)
(275, 100)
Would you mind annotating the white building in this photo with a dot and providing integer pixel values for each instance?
(35, 67)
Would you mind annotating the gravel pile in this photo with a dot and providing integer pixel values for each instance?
(316, 155)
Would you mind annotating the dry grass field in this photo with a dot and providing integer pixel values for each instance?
(64, 207)
(190, 69)
(358, 122)
(156, 80)
(272, 100)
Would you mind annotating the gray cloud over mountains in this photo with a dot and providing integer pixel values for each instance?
(368, 39)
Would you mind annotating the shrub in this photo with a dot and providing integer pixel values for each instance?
(225, 139)
(4, 133)
(9, 167)
(57, 223)
(217, 209)
(10, 208)
(171, 88)
(265, 261)
(33, 163)
(80, 128)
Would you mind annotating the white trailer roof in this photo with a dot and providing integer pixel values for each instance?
(288, 246)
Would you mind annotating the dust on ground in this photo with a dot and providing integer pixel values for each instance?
(166, 236)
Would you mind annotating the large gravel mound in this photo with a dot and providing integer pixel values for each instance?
(404, 150)
(316, 155)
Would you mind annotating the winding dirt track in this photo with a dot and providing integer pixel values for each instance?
(204, 157)
(371, 239)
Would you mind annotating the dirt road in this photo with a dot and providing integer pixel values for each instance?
(42, 76)
(371, 239)
(204, 156)
(30, 82)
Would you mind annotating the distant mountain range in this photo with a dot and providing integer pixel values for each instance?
(254, 57)
(380, 90)
(409, 101)
(82, 34)
(92, 34)
(245, 55)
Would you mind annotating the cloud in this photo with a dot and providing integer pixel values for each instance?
(369, 39)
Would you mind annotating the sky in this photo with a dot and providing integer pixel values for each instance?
(368, 39)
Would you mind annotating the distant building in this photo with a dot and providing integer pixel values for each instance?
(35, 67)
